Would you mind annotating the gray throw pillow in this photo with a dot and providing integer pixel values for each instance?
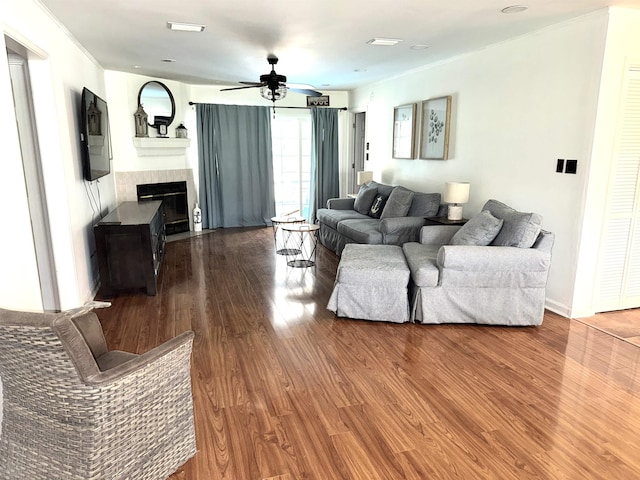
(519, 229)
(398, 203)
(424, 205)
(365, 197)
(480, 230)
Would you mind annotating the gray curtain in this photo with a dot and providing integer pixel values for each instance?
(236, 165)
(325, 176)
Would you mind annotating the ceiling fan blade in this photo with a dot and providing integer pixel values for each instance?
(240, 88)
(306, 91)
(253, 84)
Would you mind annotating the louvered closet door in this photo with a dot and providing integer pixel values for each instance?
(619, 267)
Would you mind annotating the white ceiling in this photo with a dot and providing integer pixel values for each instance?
(319, 42)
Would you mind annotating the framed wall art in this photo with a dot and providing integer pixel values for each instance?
(404, 125)
(436, 120)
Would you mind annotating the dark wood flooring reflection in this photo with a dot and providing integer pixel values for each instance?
(283, 390)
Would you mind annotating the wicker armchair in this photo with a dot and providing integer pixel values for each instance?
(74, 410)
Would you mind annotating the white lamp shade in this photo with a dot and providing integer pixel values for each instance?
(456, 192)
(364, 176)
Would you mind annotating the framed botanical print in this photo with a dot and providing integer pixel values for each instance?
(436, 120)
(404, 125)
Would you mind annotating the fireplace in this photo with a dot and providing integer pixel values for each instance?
(174, 201)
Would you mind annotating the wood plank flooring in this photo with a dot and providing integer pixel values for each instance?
(283, 390)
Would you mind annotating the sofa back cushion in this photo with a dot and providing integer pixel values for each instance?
(385, 190)
(366, 194)
(518, 230)
(398, 203)
(479, 231)
(424, 205)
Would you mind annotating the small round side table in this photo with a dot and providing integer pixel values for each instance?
(276, 222)
(301, 238)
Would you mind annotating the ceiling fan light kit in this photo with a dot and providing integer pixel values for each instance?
(273, 86)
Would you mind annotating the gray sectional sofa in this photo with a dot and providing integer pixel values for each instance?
(493, 270)
(380, 214)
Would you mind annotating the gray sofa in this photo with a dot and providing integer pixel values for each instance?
(492, 272)
(380, 214)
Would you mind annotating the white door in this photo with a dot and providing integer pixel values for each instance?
(618, 281)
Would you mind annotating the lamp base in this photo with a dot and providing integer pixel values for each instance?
(455, 212)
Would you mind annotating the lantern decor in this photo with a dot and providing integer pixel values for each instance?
(142, 127)
(181, 131)
(94, 119)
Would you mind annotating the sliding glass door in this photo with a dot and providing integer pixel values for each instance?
(291, 133)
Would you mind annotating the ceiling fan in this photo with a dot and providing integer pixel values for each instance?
(273, 86)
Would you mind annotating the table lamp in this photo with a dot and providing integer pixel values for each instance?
(455, 193)
(363, 177)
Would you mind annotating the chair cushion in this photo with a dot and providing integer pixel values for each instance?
(365, 197)
(519, 229)
(424, 205)
(422, 263)
(113, 358)
(480, 230)
(398, 203)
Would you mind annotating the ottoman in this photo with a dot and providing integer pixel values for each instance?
(371, 284)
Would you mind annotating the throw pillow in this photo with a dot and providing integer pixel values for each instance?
(519, 230)
(398, 203)
(365, 197)
(377, 206)
(424, 205)
(480, 230)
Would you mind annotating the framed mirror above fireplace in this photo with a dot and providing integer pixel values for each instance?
(158, 103)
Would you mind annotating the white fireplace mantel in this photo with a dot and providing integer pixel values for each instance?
(161, 146)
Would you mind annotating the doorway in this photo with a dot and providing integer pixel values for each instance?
(359, 150)
(34, 179)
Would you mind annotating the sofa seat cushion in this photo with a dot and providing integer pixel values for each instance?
(361, 230)
(518, 230)
(421, 260)
(331, 217)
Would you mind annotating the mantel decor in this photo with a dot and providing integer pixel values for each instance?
(436, 120)
(404, 123)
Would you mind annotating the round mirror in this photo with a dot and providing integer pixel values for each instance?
(158, 103)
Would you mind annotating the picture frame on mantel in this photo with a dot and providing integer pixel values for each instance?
(436, 124)
(404, 126)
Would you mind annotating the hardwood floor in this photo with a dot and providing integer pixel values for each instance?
(624, 324)
(284, 390)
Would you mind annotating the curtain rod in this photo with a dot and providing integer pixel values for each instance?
(303, 108)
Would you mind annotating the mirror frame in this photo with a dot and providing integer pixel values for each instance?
(166, 120)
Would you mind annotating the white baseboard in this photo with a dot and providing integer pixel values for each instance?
(557, 307)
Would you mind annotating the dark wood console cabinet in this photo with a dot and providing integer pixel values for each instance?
(130, 245)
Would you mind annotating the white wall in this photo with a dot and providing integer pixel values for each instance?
(122, 95)
(517, 107)
(59, 69)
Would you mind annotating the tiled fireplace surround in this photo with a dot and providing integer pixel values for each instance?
(126, 185)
